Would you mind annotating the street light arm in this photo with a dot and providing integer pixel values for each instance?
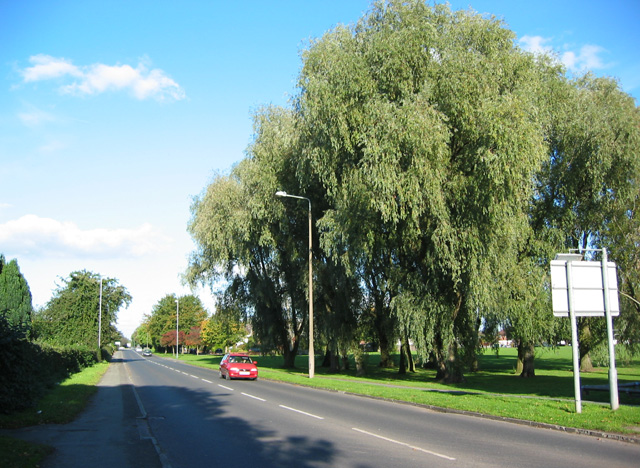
(282, 193)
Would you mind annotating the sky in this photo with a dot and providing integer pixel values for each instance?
(115, 115)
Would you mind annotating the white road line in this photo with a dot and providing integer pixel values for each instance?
(301, 412)
(251, 396)
(208, 381)
(226, 388)
(413, 447)
(195, 376)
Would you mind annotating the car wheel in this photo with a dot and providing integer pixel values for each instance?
(221, 375)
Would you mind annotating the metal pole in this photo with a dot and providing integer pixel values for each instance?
(613, 373)
(100, 324)
(312, 356)
(177, 336)
(574, 342)
(311, 350)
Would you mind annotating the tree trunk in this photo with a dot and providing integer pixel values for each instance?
(402, 365)
(326, 362)
(453, 367)
(345, 362)
(526, 359)
(289, 355)
(361, 362)
(439, 359)
(584, 346)
(334, 367)
(385, 348)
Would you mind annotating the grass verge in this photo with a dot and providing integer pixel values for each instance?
(59, 406)
(495, 390)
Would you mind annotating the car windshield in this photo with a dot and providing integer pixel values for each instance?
(241, 359)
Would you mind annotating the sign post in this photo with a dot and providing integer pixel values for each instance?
(613, 372)
(586, 289)
(574, 339)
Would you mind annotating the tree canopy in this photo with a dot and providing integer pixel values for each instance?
(15, 296)
(159, 327)
(444, 166)
(71, 316)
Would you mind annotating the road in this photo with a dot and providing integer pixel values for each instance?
(198, 419)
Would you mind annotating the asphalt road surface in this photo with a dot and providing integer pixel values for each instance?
(197, 419)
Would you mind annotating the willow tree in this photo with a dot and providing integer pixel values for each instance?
(588, 186)
(254, 244)
(421, 123)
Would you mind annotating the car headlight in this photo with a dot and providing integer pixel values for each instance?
(254, 370)
(234, 369)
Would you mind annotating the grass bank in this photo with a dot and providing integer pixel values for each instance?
(494, 390)
(59, 406)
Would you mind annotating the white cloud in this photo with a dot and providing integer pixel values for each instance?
(99, 78)
(46, 67)
(35, 236)
(587, 58)
(536, 44)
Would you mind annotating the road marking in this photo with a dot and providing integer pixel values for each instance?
(226, 388)
(251, 396)
(194, 376)
(413, 447)
(208, 381)
(301, 412)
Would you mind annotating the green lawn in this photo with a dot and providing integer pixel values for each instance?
(495, 390)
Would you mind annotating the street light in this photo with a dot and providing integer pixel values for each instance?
(100, 323)
(311, 351)
(177, 317)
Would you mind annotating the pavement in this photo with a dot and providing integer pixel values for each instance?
(111, 432)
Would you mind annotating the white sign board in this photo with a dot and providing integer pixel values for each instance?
(586, 282)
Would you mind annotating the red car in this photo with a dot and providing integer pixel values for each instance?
(238, 366)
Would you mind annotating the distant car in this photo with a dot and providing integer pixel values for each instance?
(218, 351)
(139, 349)
(238, 366)
(146, 352)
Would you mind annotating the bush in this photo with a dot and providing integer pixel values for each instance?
(27, 369)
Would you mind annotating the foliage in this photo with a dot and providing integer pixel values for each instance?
(421, 125)
(193, 339)
(258, 246)
(28, 368)
(225, 328)
(71, 316)
(587, 189)
(159, 327)
(444, 166)
(15, 296)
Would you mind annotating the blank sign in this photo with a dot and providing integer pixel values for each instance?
(586, 282)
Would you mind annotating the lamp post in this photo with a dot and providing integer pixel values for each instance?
(311, 351)
(100, 323)
(177, 319)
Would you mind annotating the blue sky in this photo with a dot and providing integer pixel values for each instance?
(114, 115)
